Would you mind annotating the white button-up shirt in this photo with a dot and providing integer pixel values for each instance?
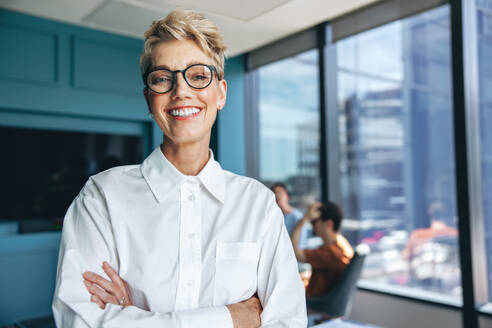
(186, 245)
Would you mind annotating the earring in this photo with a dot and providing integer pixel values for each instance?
(151, 116)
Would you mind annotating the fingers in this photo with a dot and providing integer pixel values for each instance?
(101, 294)
(108, 291)
(97, 279)
(113, 275)
(97, 300)
(128, 296)
(121, 287)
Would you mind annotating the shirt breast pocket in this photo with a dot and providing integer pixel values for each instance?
(235, 271)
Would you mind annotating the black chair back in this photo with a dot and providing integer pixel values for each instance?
(338, 301)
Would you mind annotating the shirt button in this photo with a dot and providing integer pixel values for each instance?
(190, 283)
(191, 235)
(191, 198)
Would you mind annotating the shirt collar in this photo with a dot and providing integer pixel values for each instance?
(213, 178)
(162, 177)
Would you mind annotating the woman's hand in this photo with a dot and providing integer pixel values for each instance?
(104, 291)
(246, 314)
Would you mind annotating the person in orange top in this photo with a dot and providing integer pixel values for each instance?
(329, 260)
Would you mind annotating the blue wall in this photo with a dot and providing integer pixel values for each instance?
(27, 275)
(231, 119)
(49, 67)
(63, 77)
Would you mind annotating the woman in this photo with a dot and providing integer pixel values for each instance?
(183, 242)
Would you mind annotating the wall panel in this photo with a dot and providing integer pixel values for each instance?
(28, 265)
(52, 67)
(28, 55)
(102, 67)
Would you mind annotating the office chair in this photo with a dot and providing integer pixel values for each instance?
(338, 301)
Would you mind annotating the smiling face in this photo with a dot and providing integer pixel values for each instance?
(184, 114)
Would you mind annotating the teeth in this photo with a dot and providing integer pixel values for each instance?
(184, 112)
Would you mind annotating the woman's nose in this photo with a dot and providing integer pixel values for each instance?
(181, 88)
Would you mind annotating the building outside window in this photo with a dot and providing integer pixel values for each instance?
(391, 143)
(397, 165)
(288, 106)
(484, 38)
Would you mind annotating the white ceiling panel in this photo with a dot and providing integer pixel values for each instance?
(239, 9)
(246, 25)
(63, 10)
(293, 17)
(125, 17)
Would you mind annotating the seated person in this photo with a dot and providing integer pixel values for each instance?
(440, 227)
(433, 249)
(329, 260)
(422, 236)
(291, 214)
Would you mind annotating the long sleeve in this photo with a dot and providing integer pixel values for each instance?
(279, 284)
(87, 241)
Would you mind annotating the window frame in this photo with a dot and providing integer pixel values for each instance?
(473, 142)
(464, 52)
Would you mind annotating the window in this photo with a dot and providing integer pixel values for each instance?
(484, 38)
(390, 154)
(396, 164)
(288, 106)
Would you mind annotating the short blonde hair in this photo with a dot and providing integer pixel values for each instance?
(185, 25)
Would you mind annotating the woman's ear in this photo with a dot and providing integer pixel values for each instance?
(221, 99)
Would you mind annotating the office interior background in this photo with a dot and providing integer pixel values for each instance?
(384, 107)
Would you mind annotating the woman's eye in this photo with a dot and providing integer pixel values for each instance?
(199, 77)
(161, 80)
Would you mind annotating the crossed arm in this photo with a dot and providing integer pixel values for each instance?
(116, 291)
(86, 229)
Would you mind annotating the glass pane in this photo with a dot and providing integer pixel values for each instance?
(484, 29)
(397, 158)
(289, 125)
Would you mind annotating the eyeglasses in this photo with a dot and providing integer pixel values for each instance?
(162, 80)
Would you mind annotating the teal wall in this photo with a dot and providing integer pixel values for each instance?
(27, 275)
(49, 67)
(231, 119)
(63, 77)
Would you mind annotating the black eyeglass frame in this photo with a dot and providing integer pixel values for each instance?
(174, 74)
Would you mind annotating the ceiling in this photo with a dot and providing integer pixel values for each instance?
(246, 25)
